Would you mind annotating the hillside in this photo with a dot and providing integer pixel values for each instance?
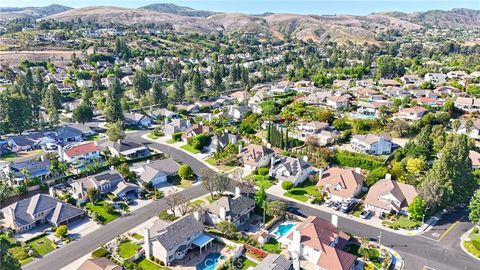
(317, 28)
(31, 12)
(179, 10)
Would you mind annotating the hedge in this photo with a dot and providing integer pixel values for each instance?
(263, 170)
(177, 136)
(287, 185)
(354, 160)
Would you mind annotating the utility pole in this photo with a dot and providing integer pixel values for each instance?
(380, 237)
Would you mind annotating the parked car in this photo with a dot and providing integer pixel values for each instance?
(365, 214)
(328, 203)
(382, 216)
(336, 205)
(347, 206)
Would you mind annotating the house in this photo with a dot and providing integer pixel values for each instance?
(321, 243)
(338, 102)
(318, 98)
(80, 154)
(435, 78)
(63, 88)
(411, 80)
(194, 130)
(290, 169)
(188, 108)
(127, 148)
(473, 131)
(172, 241)
(311, 128)
(274, 262)
(371, 109)
(361, 92)
(398, 92)
(73, 133)
(341, 184)
(240, 96)
(428, 101)
(389, 196)
(39, 209)
(387, 82)
(127, 80)
(281, 87)
(368, 83)
(458, 75)
(327, 137)
(29, 141)
(237, 209)
(101, 263)
(410, 114)
(237, 112)
(255, 156)
(449, 91)
(467, 104)
(163, 114)
(372, 144)
(137, 119)
(158, 171)
(219, 142)
(18, 171)
(106, 182)
(85, 83)
(475, 158)
(176, 125)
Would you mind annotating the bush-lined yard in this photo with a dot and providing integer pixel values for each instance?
(127, 249)
(402, 222)
(103, 216)
(41, 245)
(302, 192)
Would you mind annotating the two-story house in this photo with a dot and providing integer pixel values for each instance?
(291, 169)
(237, 209)
(341, 184)
(373, 144)
(255, 156)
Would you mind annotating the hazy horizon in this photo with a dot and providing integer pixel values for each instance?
(320, 7)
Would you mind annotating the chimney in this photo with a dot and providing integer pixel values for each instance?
(358, 170)
(269, 145)
(146, 243)
(148, 161)
(272, 160)
(112, 168)
(96, 143)
(225, 130)
(305, 158)
(388, 176)
(335, 220)
(296, 245)
(239, 148)
(320, 174)
(42, 158)
(11, 213)
(238, 192)
(223, 213)
(196, 215)
(51, 192)
(60, 153)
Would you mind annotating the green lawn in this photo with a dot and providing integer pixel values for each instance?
(137, 236)
(10, 240)
(473, 246)
(245, 263)
(301, 193)
(375, 259)
(263, 181)
(9, 157)
(402, 222)
(272, 246)
(213, 161)
(152, 136)
(190, 149)
(149, 265)
(214, 199)
(102, 214)
(42, 245)
(170, 141)
(179, 182)
(127, 249)
(95, 137)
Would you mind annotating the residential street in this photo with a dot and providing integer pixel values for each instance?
(417, 251)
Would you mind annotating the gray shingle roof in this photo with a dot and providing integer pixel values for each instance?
(173, 234)
(234, 206)
(165, 166)
(274, 262)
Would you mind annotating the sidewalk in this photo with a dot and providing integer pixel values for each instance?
(277, 190)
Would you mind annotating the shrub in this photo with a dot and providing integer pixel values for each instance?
(375, 175)
(185, 172)
(177, 136)
(199, 141)
(318, 199)
(349, 159)
(164, 215)
(263, 171)
(287, 185)
(475, 230)
(109, 208)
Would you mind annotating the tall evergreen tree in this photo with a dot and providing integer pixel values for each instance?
(113, 106)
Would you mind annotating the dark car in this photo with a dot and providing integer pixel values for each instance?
(294, 211)
(336, 205)
(382, 216)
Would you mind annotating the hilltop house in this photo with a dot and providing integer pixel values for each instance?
(158, 171)
(172, 241)
(321, 243)
(435, 78)
(473, 131)
(327, 137)
(290, 169)
(29, 213)
(410, 114)
(237, 209)
(475, 158)
(468, 104)
(372, 144)
(311, 128)
(255, 156)
(341, 184)
(389, 196)
(337, 102)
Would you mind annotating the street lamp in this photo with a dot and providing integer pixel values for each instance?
(425, 212)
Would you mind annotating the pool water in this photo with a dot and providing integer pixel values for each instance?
(210, 262)
(283, 229)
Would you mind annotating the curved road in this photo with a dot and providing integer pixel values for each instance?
(417, 251)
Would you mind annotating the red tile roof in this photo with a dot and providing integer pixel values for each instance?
(81, 149)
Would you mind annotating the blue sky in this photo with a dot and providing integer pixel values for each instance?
(320, 7)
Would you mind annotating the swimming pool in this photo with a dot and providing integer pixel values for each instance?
(283, 229)
(210, 262)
